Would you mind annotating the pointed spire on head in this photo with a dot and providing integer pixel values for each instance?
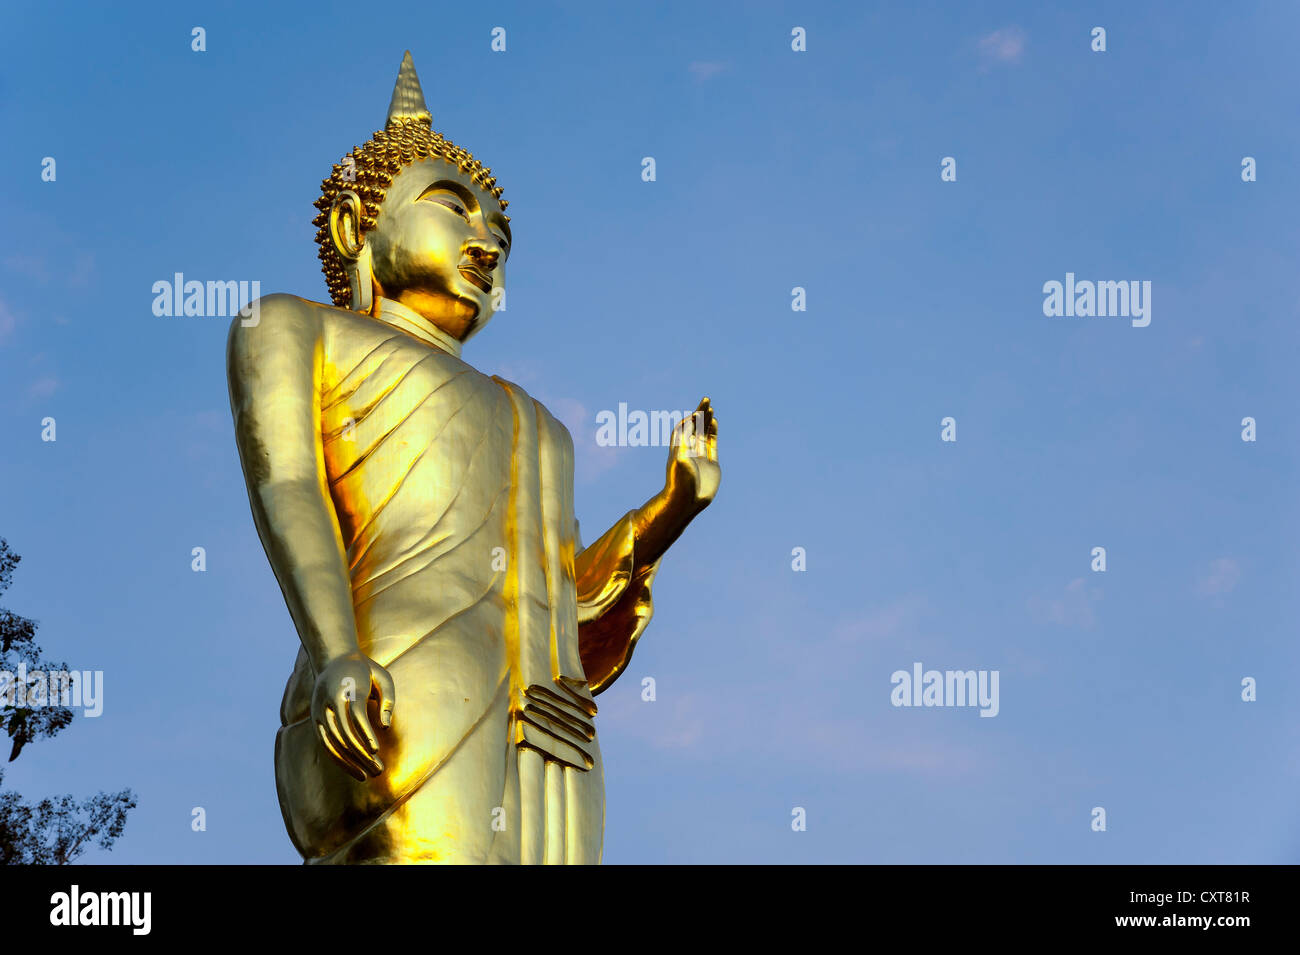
(408, 98)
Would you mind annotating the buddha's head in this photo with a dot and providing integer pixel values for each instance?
(411, 217)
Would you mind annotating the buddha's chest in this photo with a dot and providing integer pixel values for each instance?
(410, 431)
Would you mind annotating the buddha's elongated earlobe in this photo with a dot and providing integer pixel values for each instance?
(345, 232)
(361, 278)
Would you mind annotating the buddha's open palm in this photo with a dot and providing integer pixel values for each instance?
(693, 471)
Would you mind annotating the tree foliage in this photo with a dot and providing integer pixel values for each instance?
(53, 831)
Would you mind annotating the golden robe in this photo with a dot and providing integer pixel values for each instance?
(454, 498)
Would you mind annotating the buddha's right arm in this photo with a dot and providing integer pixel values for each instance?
(274, 371)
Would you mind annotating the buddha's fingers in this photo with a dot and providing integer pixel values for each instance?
(346, 739)
(688, 433)
(709, 432)
(699, 429)
(352, 770)
(382, 681)
(360, 724)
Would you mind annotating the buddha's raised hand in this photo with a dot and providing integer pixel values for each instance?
(693, 471)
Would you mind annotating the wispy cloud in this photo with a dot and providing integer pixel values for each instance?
(56, 258)
(1220, 579)
(884, 623)
(1073, 608)
(7, 323)
(83, 269)
(706, 69)
(702, 725)
(1002, 46)
(799, 720)
(589, 458)
(29, 266)
(43, 387)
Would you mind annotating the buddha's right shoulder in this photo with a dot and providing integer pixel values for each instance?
(281, 317)
(276, 331)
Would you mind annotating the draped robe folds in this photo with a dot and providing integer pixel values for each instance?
(454, 498)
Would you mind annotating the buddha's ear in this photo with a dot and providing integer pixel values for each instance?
(345, 233)
(345, 225)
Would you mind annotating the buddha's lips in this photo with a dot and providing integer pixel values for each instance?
(477, 277)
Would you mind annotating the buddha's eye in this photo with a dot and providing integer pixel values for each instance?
(450, 203)
(501, 240)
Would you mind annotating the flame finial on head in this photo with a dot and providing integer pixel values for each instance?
(408, 98)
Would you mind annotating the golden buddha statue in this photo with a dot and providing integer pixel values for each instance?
(418, 515)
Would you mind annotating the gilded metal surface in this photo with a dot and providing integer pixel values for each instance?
(419, 518)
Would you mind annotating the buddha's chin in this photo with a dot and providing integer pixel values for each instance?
(446, 306)
(472, 303)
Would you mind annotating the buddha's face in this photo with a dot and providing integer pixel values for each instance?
(439, 247)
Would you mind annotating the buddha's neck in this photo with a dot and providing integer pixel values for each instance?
(413, 323)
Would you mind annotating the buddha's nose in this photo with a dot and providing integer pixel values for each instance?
(483, 256)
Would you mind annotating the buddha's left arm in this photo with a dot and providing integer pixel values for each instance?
(615, 573)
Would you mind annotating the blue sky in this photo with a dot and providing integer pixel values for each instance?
(775, 169)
